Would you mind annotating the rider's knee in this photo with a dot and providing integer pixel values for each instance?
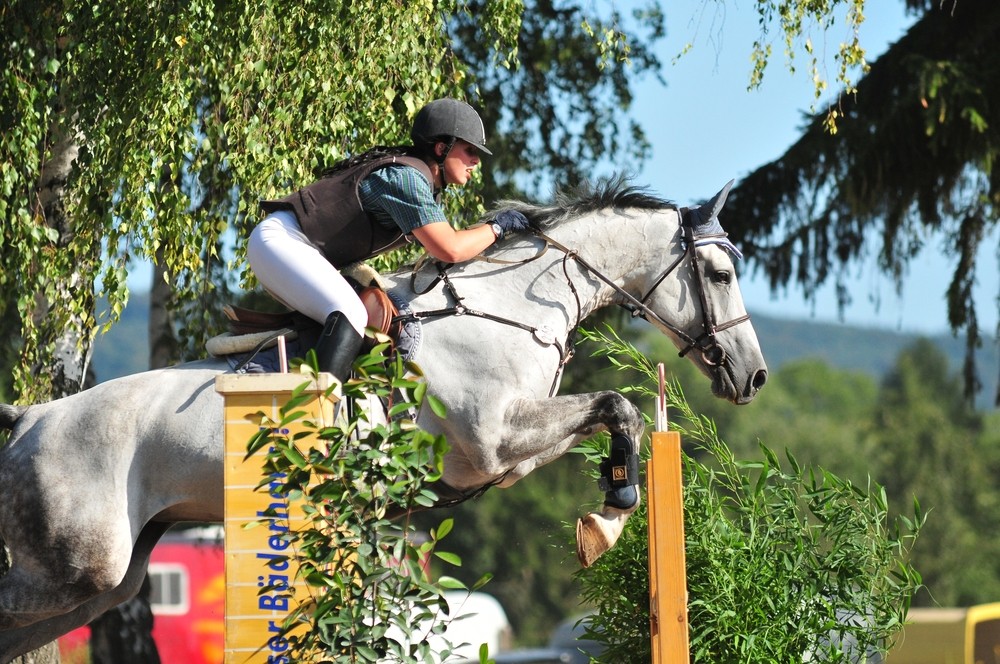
(356, 313)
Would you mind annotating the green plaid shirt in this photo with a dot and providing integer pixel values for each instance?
(399, 196)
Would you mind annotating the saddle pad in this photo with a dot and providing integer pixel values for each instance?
(228, 343)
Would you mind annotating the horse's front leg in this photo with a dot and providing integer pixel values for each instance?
(538, 431)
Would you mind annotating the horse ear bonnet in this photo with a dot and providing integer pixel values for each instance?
(704, 221)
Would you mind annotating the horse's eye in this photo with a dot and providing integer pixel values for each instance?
(722, 277)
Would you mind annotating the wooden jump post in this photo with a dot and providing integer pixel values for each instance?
(253, 556)
(668, 616)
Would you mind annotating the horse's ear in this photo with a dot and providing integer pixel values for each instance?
(717, 201)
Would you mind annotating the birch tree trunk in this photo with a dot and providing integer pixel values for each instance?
(163, 345)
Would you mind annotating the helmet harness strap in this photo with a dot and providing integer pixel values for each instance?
(449, 144)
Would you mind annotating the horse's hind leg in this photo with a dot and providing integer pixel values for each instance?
(60, 557)
(17, 641)
(533, 425)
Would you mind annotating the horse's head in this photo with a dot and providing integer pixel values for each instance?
(673, 267)
(696, 300)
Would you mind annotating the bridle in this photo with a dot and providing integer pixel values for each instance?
(706, 342)
(712, 352)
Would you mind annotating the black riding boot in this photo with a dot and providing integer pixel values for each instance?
(338, 345)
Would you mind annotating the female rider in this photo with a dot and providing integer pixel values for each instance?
(362, 207)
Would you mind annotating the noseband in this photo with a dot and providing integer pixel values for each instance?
(707, 342)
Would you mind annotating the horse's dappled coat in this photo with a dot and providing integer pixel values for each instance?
(91, 481)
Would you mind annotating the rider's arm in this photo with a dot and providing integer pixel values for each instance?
(451, 246)
(401, 195)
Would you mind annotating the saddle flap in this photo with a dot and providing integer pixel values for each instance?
(380, 308)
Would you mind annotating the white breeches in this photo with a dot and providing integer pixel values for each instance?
(295, 273)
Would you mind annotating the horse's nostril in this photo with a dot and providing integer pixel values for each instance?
(759, 379)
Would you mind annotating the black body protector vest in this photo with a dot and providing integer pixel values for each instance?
(330, 213)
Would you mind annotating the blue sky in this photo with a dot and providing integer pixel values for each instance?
(706, 128)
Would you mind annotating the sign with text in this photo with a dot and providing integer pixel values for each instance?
(260, 586)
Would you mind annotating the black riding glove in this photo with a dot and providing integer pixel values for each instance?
(510, 221)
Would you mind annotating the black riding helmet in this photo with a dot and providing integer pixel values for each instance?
(445, 120)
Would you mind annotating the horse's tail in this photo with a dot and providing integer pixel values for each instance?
(9, 415)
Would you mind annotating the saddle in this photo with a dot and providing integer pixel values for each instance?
(250, 330)
(242, 321)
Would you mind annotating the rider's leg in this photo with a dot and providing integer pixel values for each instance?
(337, 347)
(297, 274)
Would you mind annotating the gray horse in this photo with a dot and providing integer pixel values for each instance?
(90, 482)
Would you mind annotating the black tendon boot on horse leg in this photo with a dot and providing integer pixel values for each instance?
(338, 345)
(619, 480)
(620, 474)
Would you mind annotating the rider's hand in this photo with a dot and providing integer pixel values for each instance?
(511, 221)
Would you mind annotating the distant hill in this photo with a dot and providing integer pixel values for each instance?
(125, 349)
(865, 349)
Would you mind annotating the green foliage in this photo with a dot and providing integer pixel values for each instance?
(370, 598)
(784, 561)
(185, 116)
(555, 122)
(793, 25)
(928, 441)
(913, 168)
(796, 20)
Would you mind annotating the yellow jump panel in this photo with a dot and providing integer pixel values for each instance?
(253, 554)
(667, 568)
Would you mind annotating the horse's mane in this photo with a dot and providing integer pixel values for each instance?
(615, 192)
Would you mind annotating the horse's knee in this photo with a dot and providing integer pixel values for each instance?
(42, 585)
(81, 566)
(96, 570)
(619, 414)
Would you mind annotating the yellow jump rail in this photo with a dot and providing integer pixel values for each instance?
(668, 616)
(260, 584)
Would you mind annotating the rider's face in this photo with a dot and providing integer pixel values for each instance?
(460, 162)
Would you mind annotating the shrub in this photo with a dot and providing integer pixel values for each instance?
(784, 563)
(370, 598)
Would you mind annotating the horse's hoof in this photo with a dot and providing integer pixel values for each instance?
(591, 540)
(598, 531)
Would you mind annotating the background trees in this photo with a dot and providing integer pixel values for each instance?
(913, 160)
(150, 133)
